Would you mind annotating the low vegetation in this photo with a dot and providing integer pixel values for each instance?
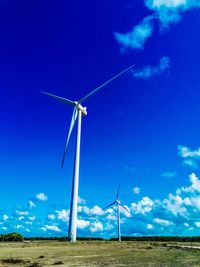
(128, 238)
(16, 237)
(97, 253)
(34, 264)
(58, 263)
(12, 261)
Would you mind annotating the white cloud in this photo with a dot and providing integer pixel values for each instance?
(197, 224)
(196, 202)
(136, 190)
(186, 152)
(186, 202)
(82, 224)
(164, 13)
(170, 11)
(51, 217)
(176, 205)
(149, 71)
(81, 200)
(195, 184)
(110, 211)
(42, 197)
(96, 227)
(20, 218)
(111, 217)
(145, 205)
(137, 37)
(80, 209)
(53, 228)
(29, 223)
(191, 163)
(63, 215)
(18, 226)
(22, 213)
(5, 217)
(162, 222)
(4, 228)
(149, 226)
(85, 209)
(165, 3)
(190, 157)
(31, 204)
(32, 218)
(178, 191)
(96, 210)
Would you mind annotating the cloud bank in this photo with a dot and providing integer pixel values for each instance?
(175, 214)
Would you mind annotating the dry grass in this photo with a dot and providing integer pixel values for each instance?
(53, 253)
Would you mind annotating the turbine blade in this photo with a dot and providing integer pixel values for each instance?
(104, 84)
(113, 203)
(125, 208)
(61, 99)
(118, 192)
(73, 120)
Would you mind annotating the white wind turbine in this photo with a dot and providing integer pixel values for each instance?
(78, 111)
(118, 203)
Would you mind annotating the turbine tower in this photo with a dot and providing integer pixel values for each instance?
(78, 112)
(118, 202)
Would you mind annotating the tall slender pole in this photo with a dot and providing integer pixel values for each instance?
(118, 217)
(74, 194)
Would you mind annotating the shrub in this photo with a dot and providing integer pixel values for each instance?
(12, 261)
(13, 237)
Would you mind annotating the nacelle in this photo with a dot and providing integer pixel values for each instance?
(83, 109)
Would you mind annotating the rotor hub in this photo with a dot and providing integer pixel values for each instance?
(82, 109)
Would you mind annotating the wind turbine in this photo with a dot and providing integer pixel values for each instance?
(118, 202)
(78, 112)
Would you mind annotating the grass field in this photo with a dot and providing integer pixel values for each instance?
(97, 253)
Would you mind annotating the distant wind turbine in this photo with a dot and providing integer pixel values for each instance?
(118, 202)
(78, 111)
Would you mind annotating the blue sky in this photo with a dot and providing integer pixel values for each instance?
(142, 130)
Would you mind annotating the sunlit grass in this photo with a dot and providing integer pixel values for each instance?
(96, 253)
